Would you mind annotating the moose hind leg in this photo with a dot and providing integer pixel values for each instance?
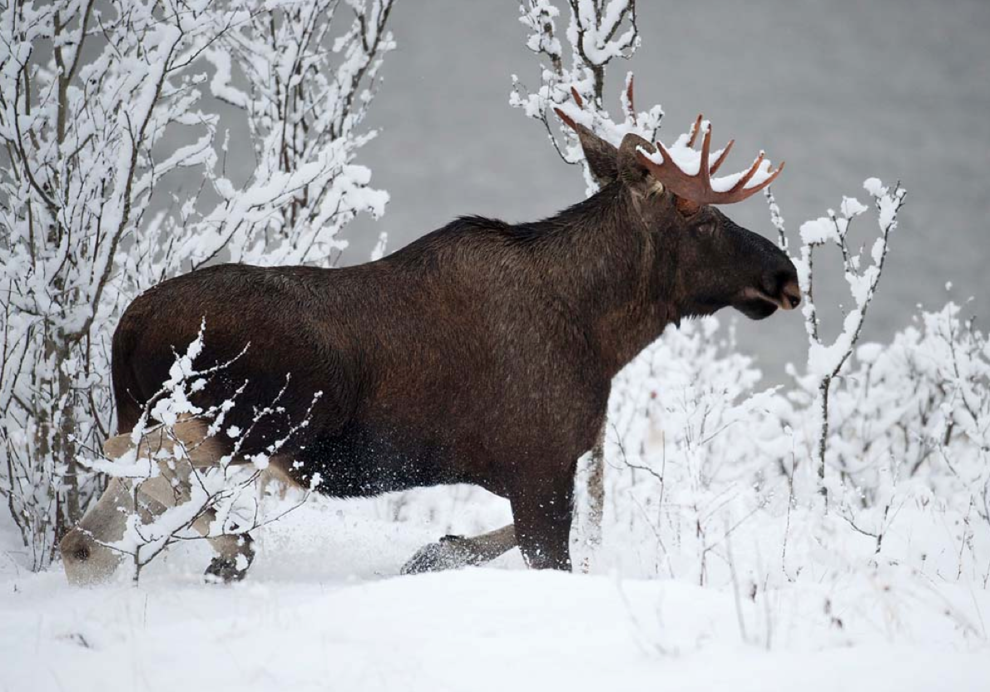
(232, 562)
(234, 552)
(454, 552)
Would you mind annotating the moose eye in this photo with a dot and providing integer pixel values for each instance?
(705, 228)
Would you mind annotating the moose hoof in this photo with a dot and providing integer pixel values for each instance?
(227, 570)
(450, 552)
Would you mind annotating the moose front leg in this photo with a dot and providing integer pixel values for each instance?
(541, 529)
(454, 552)
(543, 519)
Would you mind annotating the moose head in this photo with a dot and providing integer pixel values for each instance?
(710, 262)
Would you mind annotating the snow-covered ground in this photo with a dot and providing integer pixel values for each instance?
(324, 608)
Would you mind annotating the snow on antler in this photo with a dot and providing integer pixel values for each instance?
(687, 171)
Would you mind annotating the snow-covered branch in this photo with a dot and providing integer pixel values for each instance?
(90, 96)
(862, 275)
(573, 77)
(178, 491)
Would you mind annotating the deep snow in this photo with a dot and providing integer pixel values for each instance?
(323, 608)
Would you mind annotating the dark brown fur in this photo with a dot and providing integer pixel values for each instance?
(481, 353)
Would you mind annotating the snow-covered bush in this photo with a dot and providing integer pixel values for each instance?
(179, 492)
(683, 428)
(826, 362)
(916, 410)
(573, 76)
(102, 105)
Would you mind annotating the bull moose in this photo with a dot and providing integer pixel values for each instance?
(480, 353)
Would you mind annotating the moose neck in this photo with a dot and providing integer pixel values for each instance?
(608, 266)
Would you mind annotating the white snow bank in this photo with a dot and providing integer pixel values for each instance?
(323, 610)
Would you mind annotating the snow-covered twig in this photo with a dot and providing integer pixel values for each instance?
(89, 94)
(598, 32)
(212, 500)
(825, 362)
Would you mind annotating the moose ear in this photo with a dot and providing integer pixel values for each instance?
(632, 171)
(601, 155)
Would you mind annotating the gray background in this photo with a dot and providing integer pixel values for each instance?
(841, 90)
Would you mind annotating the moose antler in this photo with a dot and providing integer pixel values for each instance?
(697, 188)
(692, 190)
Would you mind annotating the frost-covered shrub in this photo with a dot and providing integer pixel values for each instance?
(916, 410)
(685, 424)
(91, 95)
(827, 362)
(572, 77)
(698, 456)
(179, 491)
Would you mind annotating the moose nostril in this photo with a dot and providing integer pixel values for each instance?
(791, 293)
(81, 553)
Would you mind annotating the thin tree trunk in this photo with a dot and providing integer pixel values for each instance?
(596, 499)
(823, 441)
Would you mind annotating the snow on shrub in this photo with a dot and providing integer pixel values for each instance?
(90, 212)
(224, 492)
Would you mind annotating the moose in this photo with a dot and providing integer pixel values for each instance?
(480, 353)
